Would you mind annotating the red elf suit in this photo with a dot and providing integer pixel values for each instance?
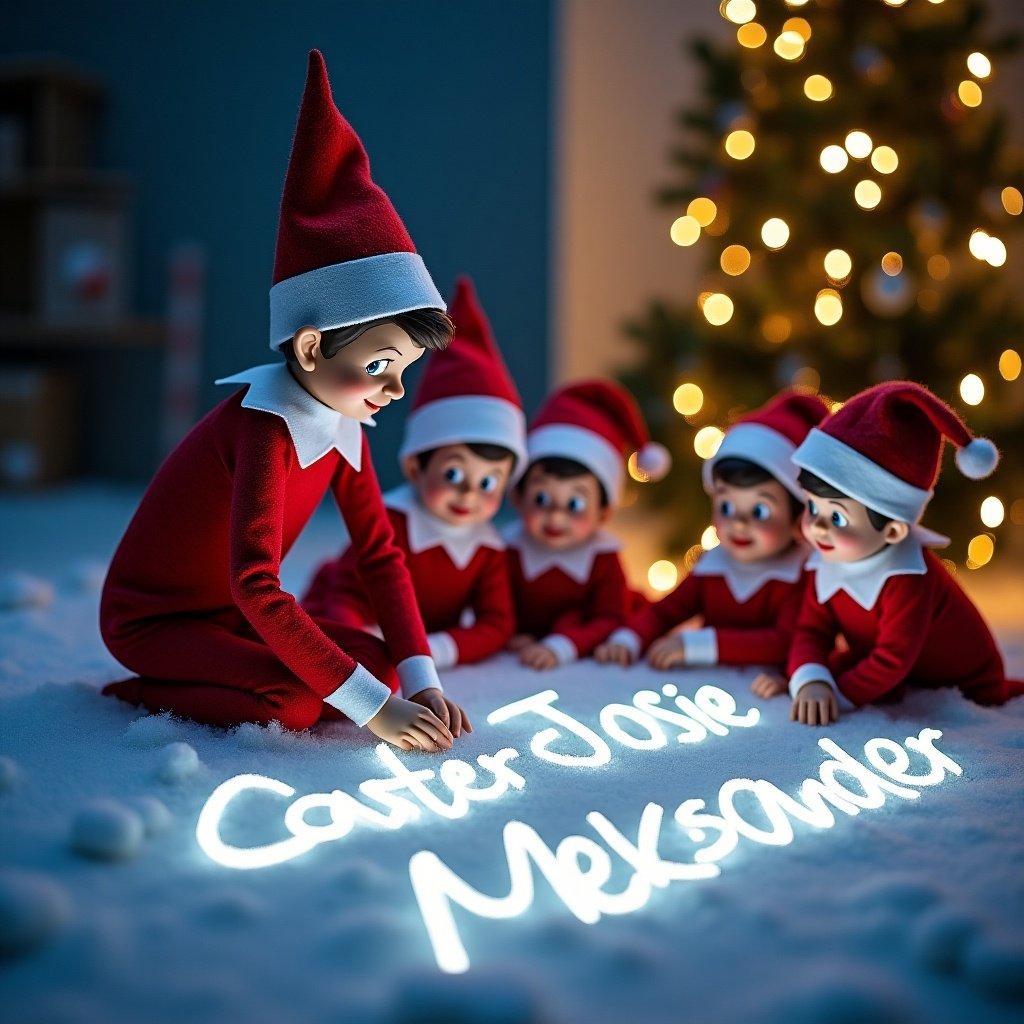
(904, 617)
(572, 599)
(192, 601)
(459, 573)
(748, 610)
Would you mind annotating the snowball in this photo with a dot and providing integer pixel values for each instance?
(938, 938)
(154, 814)
(178, 761)
(107, 830)
(33, 908)
(20, 590)
(9, 772)
(995, 966)
(479, 998)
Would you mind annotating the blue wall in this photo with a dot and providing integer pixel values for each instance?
(450, 97)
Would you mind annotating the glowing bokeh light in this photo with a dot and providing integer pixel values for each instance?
(739, 12)
(709, 538)
(938, 267)
(818, 88)
(775, 232)
(892, 263)
(687, 399)
(838, 264)
(684, 230)
(992, 512)
(776, 328)
(1010, 364)
(970, 93)
(1013, 201)
(706, 441)
(800, 26)
(735, 259)
(751, 35)
(858, 144)
(702, 210)
(789, 45)
(718, 309)
(739, 144)
(828, 307)
(979, 65)
(978, 243)
(995, 254)
(972, 389)
(662, 575)
(884, 159)
(634, 470)
(867, 193)
(833, 159)
(980, 551)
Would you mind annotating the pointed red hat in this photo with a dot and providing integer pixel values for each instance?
(768, 436)
(597, 423)
(343, 255)
(884, 448)
(466, 393)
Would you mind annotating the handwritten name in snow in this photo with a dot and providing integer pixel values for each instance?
(404, 795)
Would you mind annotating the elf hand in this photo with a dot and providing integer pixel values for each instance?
(613, 654)
(519, 641)
(768, 684)
(666, 652)
(447, 711)
(539, 657)
(409, 726)
(815, 704)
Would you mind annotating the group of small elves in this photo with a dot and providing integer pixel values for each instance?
(822, 584)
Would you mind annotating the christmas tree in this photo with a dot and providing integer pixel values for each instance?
(853, 192)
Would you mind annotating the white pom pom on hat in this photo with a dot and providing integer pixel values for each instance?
(654, 460)
(977, 459)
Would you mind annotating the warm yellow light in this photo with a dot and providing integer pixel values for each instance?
(796, 3)
(835, 406)
(838, 264)
(833, 159)
(1013, 201)
(895, 3)
(992, 512)
(1009, 364)
(969, 93)
(662, 575)
(867, 193)
(706, 441)
(972, 389)
(884, 159)
(718, 309)
(751, 35)
(995, 254)
(858, 144)
(684, 230)
(702, 210)
(776, 328)
(817, 88)
(978, 244)
(892, 263)
(979, 65)
(828, 307)
(692, 557)
(634, 470)
(938, 267)
(980, 551)
(775, 232)
(709, 538)
(739, 12)
(739, 144)
(798, 25)
(687, 399)
(735, 259)
(789, 45)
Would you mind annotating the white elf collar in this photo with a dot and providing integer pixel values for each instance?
(744, 579)
(314, 427)
(863, 580)
(575, 562)
(426, 531)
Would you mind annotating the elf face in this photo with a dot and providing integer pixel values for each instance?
(361, 378)
(753, 523)
(561, 512)
(840, 530)
(458, 486)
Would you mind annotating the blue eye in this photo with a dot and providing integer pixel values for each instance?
(727, 509)
(542, 499)
(839, 520)
(377, 367)
(454, 475)
(762, 513)
(489, 484)
(812, 508)
(576, 505)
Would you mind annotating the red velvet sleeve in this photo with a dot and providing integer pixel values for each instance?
(492, 608)
(607, 602)
(768, 645)
(815, 637)
(672, 610)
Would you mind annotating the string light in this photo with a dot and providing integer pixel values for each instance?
(884, 159)
(978, 243)
(867, 193)
(718, 309)
(739, 144)
(702, 210)
(838, 264)
(740, 11)
(709, 538)
(662, 575)
(1013, 201)
(995, 255)
(979, 65)
(818, 88)
(1009, 364)
(969, 93)
(858, 144)
(775, 233)
(972, 389)
(735, 259)
(789, 45)
(980, 551)
(687, 399)
(706, 441)
(833, 159)
(751, 35)
(828, 307)
(684, 230)
(992, 512)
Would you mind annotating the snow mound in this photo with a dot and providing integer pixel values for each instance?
(107, 830)
(152, 731)
(846, 995)
(33, 908)
(9, 772)
(178, 762)
(231, 908)
(996, 966)
(895, 893)
(483, 998)
(21, 590)
(938, 938)
(156, 818)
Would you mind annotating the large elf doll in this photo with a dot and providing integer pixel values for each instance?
(193, 602)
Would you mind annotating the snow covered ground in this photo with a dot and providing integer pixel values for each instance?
(573, 870)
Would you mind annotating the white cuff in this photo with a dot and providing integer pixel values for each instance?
(628, 639)
(561, 647)
(418, 673)
(360, 697)
(811, 673)
(700, 646)
(443, 649)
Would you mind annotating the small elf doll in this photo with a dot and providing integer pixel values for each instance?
(192, 601)
(465, 440)
(868, 473)
(567, 582)
(747, 590)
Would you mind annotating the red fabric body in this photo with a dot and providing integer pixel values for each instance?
(442, 590)
(923, 631)
(198, 567)
(757, 631)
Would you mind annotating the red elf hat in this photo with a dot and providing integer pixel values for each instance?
(597, 423)
(466, 394)
(343, 255)
(884, 447)
(768, 437)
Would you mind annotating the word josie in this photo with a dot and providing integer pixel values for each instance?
(608, 871)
